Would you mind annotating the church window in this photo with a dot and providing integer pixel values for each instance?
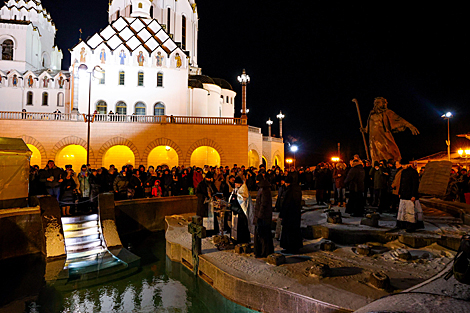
(121, 108)
(159, 109)
(151, 11)
(227, 99)
(101, 107)
(60, 99)
(102, 78)
(160, 79)
(140, 5)
(168, 20)
(45, 98)
(29, 98)
(183, 33)
(121, 78)
(7, 50)
(140, 79)
(139, 108)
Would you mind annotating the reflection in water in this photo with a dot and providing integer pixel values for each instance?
(159, 286)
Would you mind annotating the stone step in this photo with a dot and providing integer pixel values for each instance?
(79, 219)
(80, 226)
(85, 252)
(83, 246)
(82, 233)
(71, 241)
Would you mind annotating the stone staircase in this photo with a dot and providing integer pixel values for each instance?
(86, 250)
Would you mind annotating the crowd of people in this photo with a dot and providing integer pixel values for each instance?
(386, 186)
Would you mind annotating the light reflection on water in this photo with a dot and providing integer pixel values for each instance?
(158, 286)
(155, 296)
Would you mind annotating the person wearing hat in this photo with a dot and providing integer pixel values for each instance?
(241, 204)
(290, 215)
(410, 213)
(355, 181)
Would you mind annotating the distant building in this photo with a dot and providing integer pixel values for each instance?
(152, 103)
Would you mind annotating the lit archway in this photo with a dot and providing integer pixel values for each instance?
(36, 156)
(71, 154)
(118, 156)
(163, 155)
(277, 160)
(205, 155)
(264, 160)
(253, 158)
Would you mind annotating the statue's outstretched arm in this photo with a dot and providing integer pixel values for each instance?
(399, 124)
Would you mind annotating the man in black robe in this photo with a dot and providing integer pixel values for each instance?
(263, 240)
(291, 237)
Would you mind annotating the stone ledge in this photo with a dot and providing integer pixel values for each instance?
(249, 294)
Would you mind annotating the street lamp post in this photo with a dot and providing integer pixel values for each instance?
(447, 117)
(289, 161)
(243, 79)
(467, 152)
(269, 122)
(280, 116)
(294, 149)
(96, 72)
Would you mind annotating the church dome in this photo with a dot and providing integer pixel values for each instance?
(204, 79)
(222, 83)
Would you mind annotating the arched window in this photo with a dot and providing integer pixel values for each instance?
(140, 79)
(121, 78)
(139, 108)
(101, 107)
(140, 5)
(45, 98)
(29, 98)
(7, 50)
(60, 99)
(183, 32)
(160, 79)
(151, 11)
(159, 109)
(121, 108)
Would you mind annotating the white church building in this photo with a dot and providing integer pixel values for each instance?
(140, 78)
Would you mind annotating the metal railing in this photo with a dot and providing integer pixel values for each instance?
(113, 118)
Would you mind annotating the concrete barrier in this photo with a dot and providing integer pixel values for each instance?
(149, 214)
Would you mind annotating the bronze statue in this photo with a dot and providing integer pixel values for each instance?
(380, 125)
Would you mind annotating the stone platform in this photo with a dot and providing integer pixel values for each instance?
(289, 287)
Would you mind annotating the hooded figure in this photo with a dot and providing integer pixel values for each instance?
(263, 217)
(291, 237)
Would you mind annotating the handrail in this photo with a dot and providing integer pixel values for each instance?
(110, 118)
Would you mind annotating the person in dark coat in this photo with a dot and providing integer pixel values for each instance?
(204, 192)
(355, 181)
(291, 237)
(67, 187)
(410, 213)
(263, 241)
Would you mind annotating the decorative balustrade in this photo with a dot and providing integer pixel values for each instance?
(113, 118)
(274, 139)
(254, 129)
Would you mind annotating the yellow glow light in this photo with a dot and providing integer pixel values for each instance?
(162, 155)
(71, 154)
(35, 157)
(335, 159)
(289, 161)
(119, 155)
(205, 156)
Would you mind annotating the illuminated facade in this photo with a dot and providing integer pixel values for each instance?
(150, 90)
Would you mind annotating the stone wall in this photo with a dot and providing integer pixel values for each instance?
(149, 214)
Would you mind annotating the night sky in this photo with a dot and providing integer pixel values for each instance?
(311, 61)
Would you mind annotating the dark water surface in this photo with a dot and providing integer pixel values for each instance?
(159, 285)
